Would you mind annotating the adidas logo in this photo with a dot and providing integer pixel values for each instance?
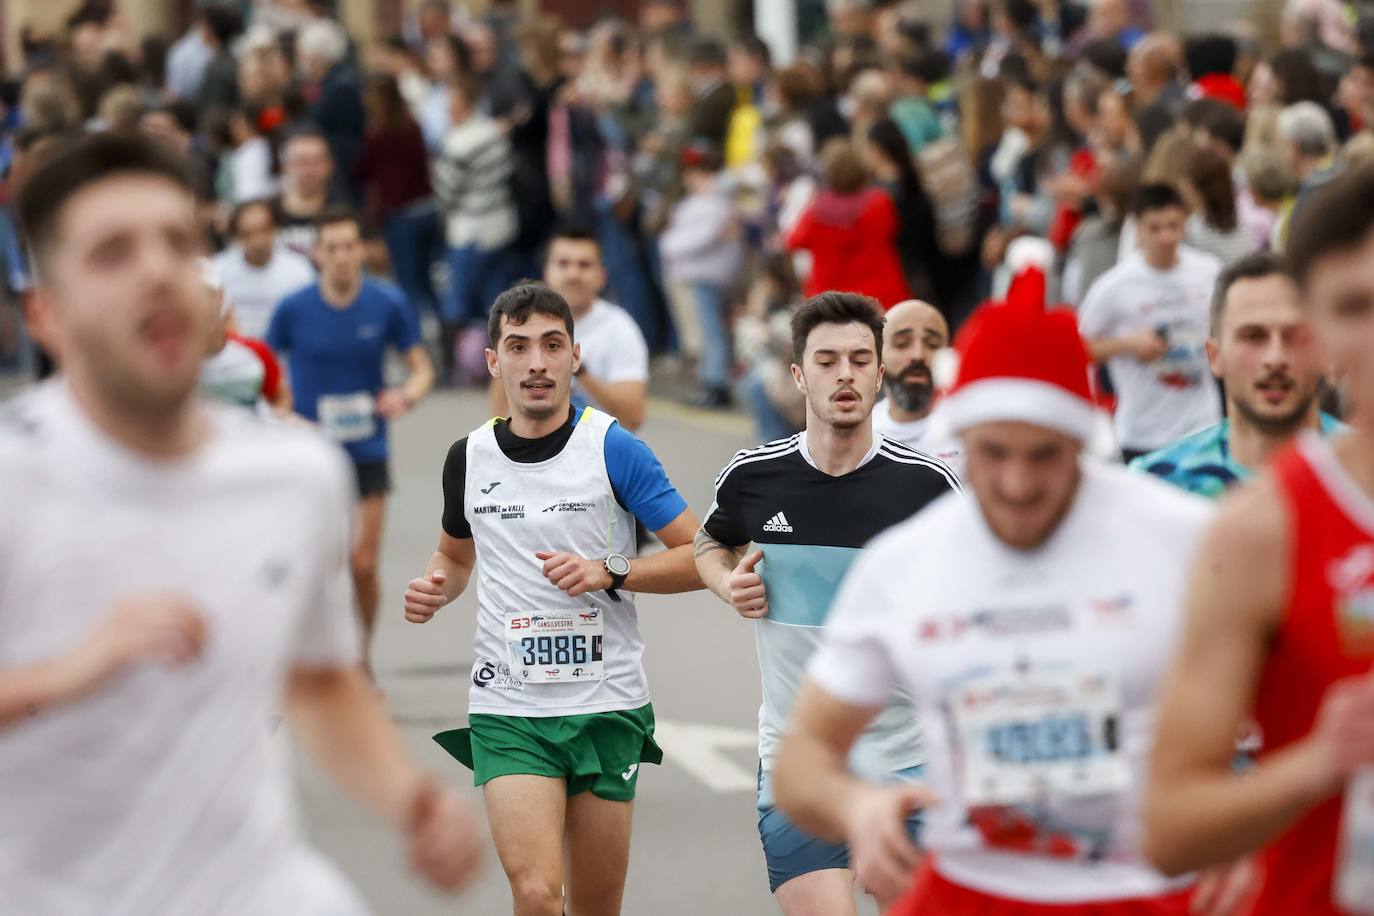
(777, 523)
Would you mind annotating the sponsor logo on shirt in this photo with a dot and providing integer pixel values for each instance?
(492, 486)
(1351, 578)
(368, 331)
(567, 506)
(511, 510)
(496, 675)
(1013, 621)
(1116, 609)
(778, 523)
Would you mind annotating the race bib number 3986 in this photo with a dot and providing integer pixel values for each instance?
(1025, 738)
(555, 647)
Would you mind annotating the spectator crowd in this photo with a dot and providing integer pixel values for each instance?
(894, 156)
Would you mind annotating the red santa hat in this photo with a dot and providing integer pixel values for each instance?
(1019, 360)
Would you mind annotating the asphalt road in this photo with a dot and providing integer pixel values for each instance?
(696, 848)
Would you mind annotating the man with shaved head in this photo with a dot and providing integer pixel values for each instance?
(912, 334)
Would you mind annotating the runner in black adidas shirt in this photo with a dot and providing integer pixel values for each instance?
(809, 503)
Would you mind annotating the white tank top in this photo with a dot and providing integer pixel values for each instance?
(537, 648)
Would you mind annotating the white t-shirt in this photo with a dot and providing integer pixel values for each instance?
(253, 292)
(613, 349)
(1175, 395)
(942, 608)
(164, 791)
(927, 435)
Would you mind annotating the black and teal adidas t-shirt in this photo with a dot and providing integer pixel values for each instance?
(810, 527)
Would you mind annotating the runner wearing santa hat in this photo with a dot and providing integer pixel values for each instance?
(1031, 625)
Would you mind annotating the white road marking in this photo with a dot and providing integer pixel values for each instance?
(697, 747)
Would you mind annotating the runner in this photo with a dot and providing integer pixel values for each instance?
(808, 503)
(1278, 624)
(559, 713)
(259, 271)
(335, 334)
(1030, 626)
(171, 568)
(614, 373)
(1271, 371)
(307, 190)
(1146, 319)
(239, 370)
(913, 334)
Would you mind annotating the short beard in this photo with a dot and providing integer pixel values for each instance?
(1285, 425)
(913, 398)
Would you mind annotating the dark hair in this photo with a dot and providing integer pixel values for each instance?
(1298, 78)
(572, 232)
(927, 65)
(1210, 54)
(223, 23)
(517, 304)
(755, 47)
(1157, 196)
(153, 52)
(1107, 56)
(1219, 119)
(888, 137)
(1211, 177)
(836, 308)
(1338, 217)
(240, 209)
(76, 165)
(305, 132)
(842, 167)
(1254, 266)
(386, 108)
(708, 51)
(334, 214)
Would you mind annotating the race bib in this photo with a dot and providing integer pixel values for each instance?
(348, 417)
(1026, 738)
(556, 647)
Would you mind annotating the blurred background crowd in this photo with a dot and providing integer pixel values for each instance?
(890, 148)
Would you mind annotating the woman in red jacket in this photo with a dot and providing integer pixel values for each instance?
(850, 229)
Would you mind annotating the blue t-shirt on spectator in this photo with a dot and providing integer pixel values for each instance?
(338, 354)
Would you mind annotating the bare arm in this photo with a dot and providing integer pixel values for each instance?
(716, 562)
(816, 791)
(1146, 346)
(669, 571)
(421, 378)
(811, 777)
(623, 400)
(338, 715)
(140, 630)
(446, 576)
(1199, 813)
(665, 573)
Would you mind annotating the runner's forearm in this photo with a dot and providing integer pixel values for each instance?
(812, 784)
(715, 561)
(31, 690)
(667, 572)
(622, 400)
(339, 716)
(1199, 819)
(456, 574)
(420, 382)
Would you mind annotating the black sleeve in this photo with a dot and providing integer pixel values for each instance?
(455, 473)
(723, 520)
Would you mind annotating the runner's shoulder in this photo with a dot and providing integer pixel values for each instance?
(918, 464)
(288, 451)
(1144, 500)
(1253, 523)
(759, 460)
(25, 426)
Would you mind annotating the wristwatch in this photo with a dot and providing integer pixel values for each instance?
(618, 568)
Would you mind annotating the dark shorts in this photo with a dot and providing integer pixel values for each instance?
(597, 752)
(374, 478)
(790, 853)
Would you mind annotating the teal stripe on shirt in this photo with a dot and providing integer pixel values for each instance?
(800, 580)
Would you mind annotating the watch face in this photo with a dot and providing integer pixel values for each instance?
(618, 565)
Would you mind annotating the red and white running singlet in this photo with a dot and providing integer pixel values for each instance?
(1326, 635)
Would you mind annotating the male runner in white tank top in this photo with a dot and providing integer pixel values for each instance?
(541, 507)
